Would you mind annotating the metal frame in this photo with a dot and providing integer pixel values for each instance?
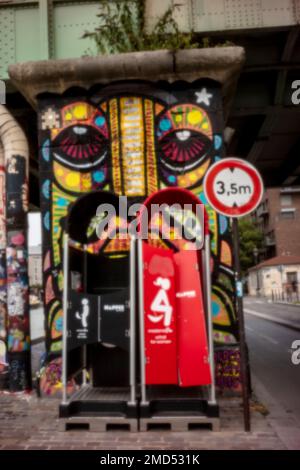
(141, 322)
(132, 326)
(212, 398)
(65, 317)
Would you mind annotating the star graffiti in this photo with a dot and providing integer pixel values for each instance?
(203, 96)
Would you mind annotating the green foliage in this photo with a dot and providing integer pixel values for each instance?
(122, 29)
(250, 238)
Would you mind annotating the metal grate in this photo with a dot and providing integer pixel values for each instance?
(7, 43)
(89, 393)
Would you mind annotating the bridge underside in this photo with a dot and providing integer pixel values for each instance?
(263, 124)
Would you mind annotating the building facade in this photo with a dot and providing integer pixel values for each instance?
(277, 278)
(278, 217)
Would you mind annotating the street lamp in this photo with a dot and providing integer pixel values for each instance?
(255, 253)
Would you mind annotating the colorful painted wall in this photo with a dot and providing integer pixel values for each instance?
(131, 138)
(14, 290)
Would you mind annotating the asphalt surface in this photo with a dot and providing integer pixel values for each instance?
(270, 352)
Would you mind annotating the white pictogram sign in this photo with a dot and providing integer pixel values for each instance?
(161, 303)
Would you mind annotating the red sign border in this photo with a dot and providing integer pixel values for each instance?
(213, 172)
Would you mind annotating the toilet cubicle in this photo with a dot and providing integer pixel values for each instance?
(137, 332)
(98, 349)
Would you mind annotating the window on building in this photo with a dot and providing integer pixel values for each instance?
(286, 199)
(291, 276)
(287, 214)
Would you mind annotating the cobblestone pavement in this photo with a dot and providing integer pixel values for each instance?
(28, 422)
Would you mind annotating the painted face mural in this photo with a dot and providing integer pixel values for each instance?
(131, 139)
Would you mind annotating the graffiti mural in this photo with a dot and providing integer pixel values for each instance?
(227, 370)
(18, 343)
(3, 290)
(14, 305)
(132, 139)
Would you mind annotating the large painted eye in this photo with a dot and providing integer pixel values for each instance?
(80, 146)
(183, 149)
(184, 135)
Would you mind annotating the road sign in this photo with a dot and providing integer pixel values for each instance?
(233, 187)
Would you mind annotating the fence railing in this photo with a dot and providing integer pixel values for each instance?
(286, 295)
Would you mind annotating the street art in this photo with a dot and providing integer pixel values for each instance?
(3, 291)
(14, 305)
(50, 378)
(131, 139)
(227, 373)
(16, 271)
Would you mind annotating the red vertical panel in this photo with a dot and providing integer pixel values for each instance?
(193, 351)
(160, 316)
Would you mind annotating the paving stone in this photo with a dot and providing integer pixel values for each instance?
(28, 422)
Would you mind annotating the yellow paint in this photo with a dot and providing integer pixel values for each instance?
(73, 179)
(80, 112)
(194, 117)
(68, 116)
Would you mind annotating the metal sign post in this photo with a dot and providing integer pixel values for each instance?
(240, 315)
(234, 188)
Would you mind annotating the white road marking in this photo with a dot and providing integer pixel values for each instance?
(268, 338)
(270, 318)
(248, 328)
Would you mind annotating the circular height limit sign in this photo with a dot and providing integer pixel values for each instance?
(233, 187)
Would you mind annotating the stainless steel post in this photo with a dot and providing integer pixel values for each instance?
(84, 371)
(240, 315)
(65, 310)
(141, 322)
(132, 326)
(212, 398)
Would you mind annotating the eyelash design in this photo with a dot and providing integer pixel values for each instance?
(184, 136)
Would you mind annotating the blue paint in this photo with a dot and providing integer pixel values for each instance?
(59, 324)
(223, 224)
(203, 198)
(46, 189)
(100, 121)
(46, 150)
(98, 176)
(47, 220)
(217, 158)
(215, 309)
(172, 179)
(62, 202)
(217, 141)
(165, 124)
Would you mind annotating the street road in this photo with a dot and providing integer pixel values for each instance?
(270, 353)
